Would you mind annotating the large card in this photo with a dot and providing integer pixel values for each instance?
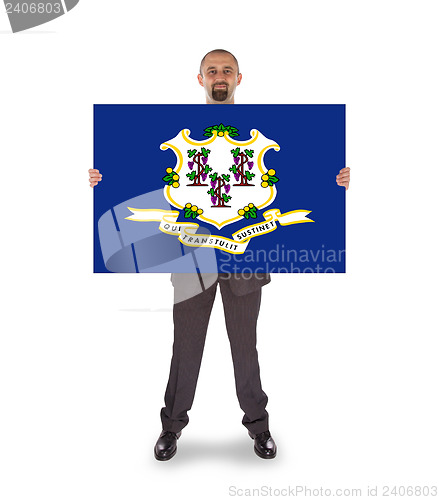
(220, 188)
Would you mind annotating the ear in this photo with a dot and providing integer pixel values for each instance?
(239, 79)
(200, 80)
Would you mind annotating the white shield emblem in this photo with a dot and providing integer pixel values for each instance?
(220, 180)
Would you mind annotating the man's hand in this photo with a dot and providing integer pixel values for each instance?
(344, 177)
(95, 177)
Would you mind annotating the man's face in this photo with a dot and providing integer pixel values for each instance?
(219, 78)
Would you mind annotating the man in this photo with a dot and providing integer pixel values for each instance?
(219, 76)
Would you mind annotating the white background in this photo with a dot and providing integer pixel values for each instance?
(349, 362)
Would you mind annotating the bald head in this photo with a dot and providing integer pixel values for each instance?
(218, 51)
(219, 75)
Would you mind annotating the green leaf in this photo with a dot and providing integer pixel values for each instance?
(213, 176)
(191, 152)
(233, 134)
(221, 127)
(207, 169)
(235, 152)
(191, 175)
(252, 214)
(205, 152)
(211, 192)
(246, 215)
(249, 152)
(273, 178)
(249, 175)
(226, 177)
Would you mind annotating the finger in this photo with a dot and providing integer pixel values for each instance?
(345, 184)
(343, 176)
(346, 169)
(93, 170)
(96, 177)
(93, 184)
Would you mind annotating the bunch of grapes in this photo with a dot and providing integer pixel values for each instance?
(190, 164)
(213, 183)
(236, 160)
(250, 165)
(204, 160)
(236, 176)
(213, 199)
(227, 188)
(204, 176)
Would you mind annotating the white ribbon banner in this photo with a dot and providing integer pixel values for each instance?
(186, 231)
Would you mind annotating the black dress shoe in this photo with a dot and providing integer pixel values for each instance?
(166, 446)
(265, 447)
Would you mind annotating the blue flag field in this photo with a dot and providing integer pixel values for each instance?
(220, 188)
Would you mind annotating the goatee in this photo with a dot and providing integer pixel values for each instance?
(220, 94)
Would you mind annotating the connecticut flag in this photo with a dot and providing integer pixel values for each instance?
(232, 189)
